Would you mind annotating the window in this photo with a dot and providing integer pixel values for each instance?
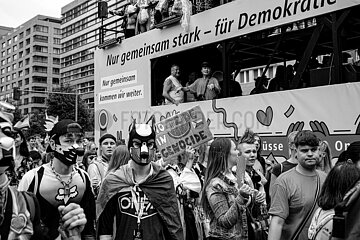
(3, 71)
(8, 69)
(14, 66)
(40, 100)
(15, 57)
(3, 54)
(38, 79)
(41, 28)
(40, 49)
(20, 83)
(9, 41)
(14, 76)
(41, 59)
(21, 35)
(28, 41)
(56, 61)
(15, 38)
(21, 64)
(21, 73)
(56, 51)
(27, 71)
(57, 41)
(56, 71)
(21, 54)
(26, 101)
(2, 80)
(27, 81)
(15, 48)
(8, 87)
(40, 69)
(27, 51)
(28, 31)
(21, 44)
(40, 38)
(3, 44)
(8, 60)
(27, 61)
(3, 62)
(56, 81)
(8, 51)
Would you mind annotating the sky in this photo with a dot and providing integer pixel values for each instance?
(13, 13)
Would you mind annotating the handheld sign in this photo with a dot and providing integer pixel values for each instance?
(240, 170)
(188, 128)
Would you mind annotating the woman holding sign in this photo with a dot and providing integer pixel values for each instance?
(222, 200)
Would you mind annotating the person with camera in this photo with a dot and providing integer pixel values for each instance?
(206, 87)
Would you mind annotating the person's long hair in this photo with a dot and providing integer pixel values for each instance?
(340, 178)
(24, 151)
(326, 157)
(120, 156)
(217, 164)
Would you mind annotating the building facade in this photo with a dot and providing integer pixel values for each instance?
(30, 60)
(80, 37)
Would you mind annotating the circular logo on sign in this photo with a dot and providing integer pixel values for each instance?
(103, 119)
(180, 131)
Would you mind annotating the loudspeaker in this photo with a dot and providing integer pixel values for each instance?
(102, 9)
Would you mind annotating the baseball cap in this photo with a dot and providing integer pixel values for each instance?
(105, 136)
(65, 126)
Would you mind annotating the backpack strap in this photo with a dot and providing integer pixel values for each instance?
(323, 223)
(281, 168)
(34, 185)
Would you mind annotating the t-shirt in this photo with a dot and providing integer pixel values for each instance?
(173, 84)
(51, 193)
(286, 166)
(200, 87)
(292, 198)
(126, 206)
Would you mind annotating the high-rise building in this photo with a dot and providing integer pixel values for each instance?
(80, 37)
(30, 60)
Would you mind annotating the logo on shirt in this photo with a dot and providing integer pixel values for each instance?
(66, 193)
(135, 203)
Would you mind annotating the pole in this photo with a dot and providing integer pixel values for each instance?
(76, 106)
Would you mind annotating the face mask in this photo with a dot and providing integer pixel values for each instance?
(68, 157)
(142, 157)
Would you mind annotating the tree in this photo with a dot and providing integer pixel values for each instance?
(63, 105)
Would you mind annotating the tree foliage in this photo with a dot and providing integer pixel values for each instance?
(63, 105)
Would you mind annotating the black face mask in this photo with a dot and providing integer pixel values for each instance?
(69, 157)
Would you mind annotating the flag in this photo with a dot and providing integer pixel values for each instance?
(23, 123)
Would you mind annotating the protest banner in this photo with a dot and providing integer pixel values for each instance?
(188, 128)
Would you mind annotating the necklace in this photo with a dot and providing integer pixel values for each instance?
(65, 184)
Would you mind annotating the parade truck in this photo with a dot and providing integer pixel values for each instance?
(245, 41)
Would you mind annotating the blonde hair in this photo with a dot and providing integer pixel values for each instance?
(120, 156)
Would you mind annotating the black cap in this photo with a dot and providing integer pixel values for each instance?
(105, 136)
(205, 64)
(65, 126)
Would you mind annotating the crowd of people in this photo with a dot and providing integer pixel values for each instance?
(222, 189)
